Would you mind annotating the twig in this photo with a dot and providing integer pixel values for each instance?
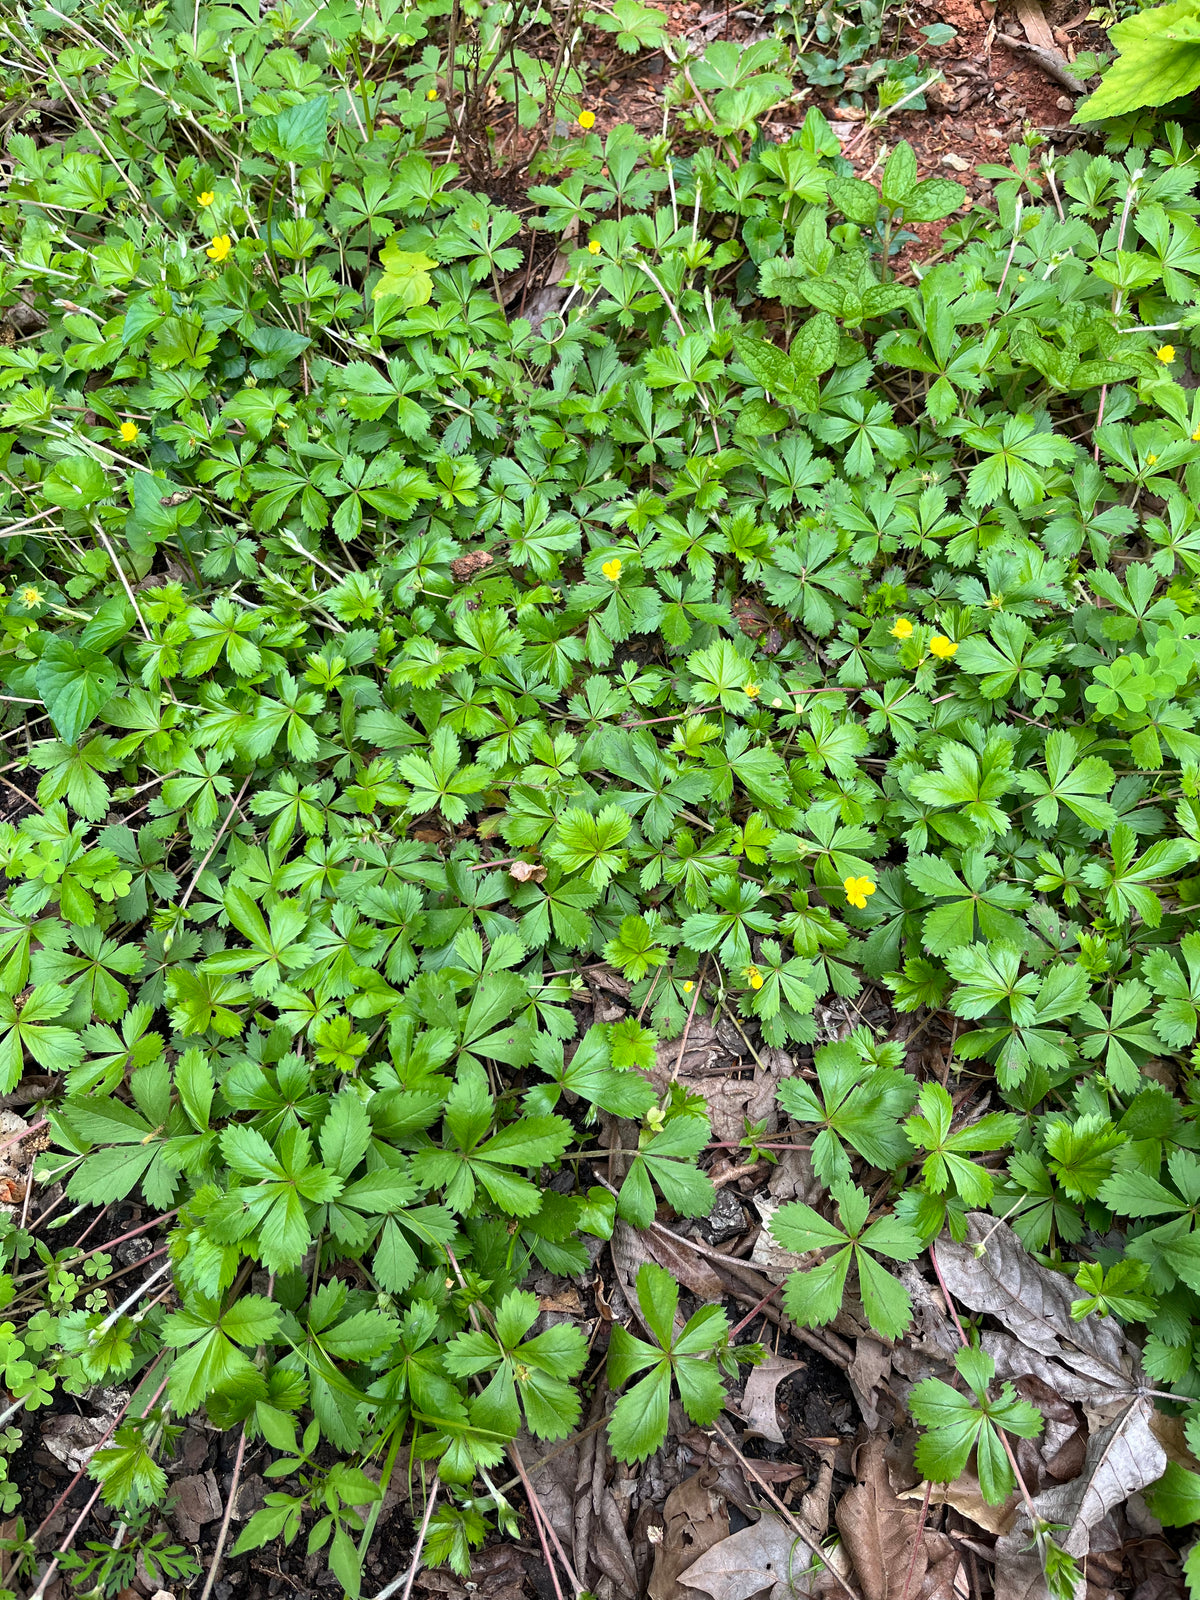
(789, 1518)
(208, 854)
(1049, 60)
(539, 1512)
(214, 1565)
(407, 1578)
(687, 1027)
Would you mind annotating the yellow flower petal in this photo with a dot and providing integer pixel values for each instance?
(587, 119)
(857, 890)
(612, 570)
(205, 199)
(594, 247)
(751, 691)
(431, 94)
(129, 431)
(688, 986)
(942, 647)
(219, 248)
(902, 628)
(1165, 353)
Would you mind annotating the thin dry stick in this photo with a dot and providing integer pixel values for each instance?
(65, 1545)
(540, 1511)
(215, 1564)
(687, 1027)
(406, 1578)
(912, 1565)
(208, 855)
(112, 1428)
(748, 1466)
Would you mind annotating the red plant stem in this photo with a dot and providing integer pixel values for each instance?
(539, 1511)
(93, 1224)
(132, 1234)
(535, 1513)
(65, 1546)
(113, 1426)
(912, 1565)
(766, 1300)
(950, 1306)
(28, 1133)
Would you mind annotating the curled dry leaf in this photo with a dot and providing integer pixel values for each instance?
(1035, 1306)
(710, 1068)
(684, 1265)
(1091, 1362)
(879, 1534)
(759, 1400)
(527, 872)
(768, 1555)
(872, 1366)
(694, 1519)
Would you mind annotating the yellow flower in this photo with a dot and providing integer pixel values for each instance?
(688, 987)
(1196, 437)
(903, 629)
(431, 94)
(219, 248)
(129, 431)
(1165, 353)
(612, 570)
(594, 246)
(205, 199)
(750, 690)
(31, 597)
(587, 119)
(942, 647)
(857, 890)
(1151, 459)
(754, 977)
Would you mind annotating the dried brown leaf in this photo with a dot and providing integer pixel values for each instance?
(527, 872)
(766, 1556)
(710, 1068)
(1037, 30)
(684, 1265)
(879, 1534)
(872, 1366)
(694, 1519)
(1035, 1306)
(758, 1403)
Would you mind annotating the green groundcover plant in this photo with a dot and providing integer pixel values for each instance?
(759, 622)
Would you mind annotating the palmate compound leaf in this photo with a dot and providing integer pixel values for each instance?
(669, 1159)
(538, 1370)
(814, 1296)
(639, 1420)
(859, 1104)
(208, 1359)
(956, 1424)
